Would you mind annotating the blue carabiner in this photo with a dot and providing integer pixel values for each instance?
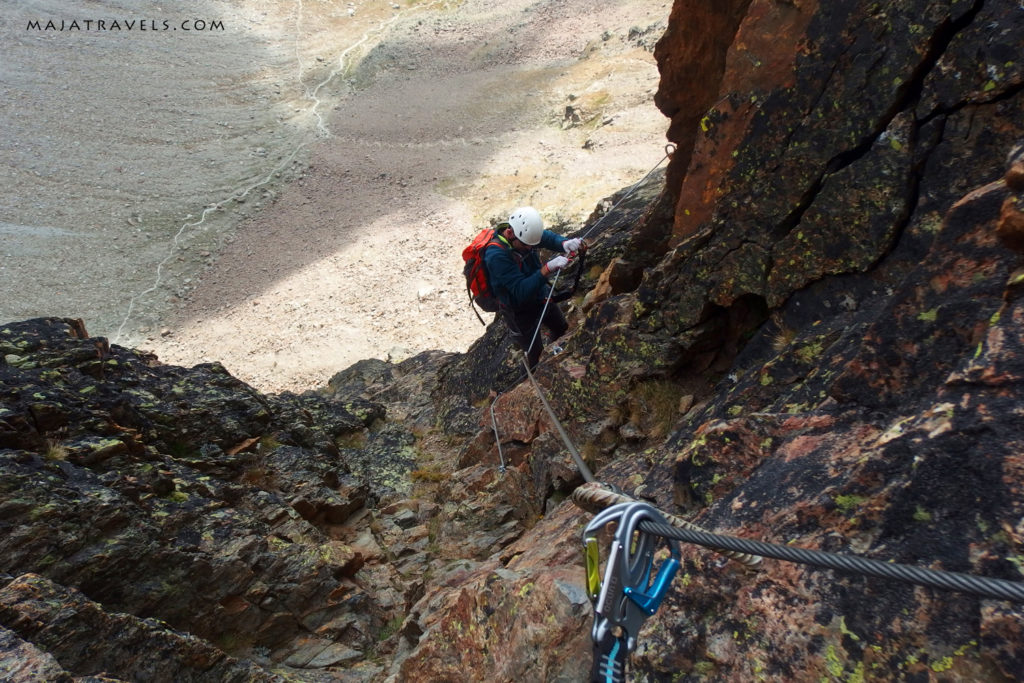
(650, 602)
(626, 596)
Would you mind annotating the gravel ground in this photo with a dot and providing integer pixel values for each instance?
(289, 191)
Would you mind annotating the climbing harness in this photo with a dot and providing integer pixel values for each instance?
(626, 595)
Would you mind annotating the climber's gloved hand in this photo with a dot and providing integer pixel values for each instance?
(571, 246)
(554, 265)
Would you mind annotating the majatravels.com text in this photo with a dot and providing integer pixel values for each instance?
(124, 25)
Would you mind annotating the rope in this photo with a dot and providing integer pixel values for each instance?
(985, 587)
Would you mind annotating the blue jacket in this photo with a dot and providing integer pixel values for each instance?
(515, 277)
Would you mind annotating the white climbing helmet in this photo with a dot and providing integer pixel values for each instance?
(527, 225)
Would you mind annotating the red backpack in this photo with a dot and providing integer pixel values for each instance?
(477, 285)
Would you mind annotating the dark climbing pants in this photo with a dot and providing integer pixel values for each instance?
(522, 326)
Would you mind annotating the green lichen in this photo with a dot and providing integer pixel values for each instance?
(833, 663)
(703, 668)
(810, 352)
(845, 631)
(847, 503)
(922, 515)
(269, 443)
(928, 316)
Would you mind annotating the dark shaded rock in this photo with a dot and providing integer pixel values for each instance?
(23, 662)
(357, 379)
(185, 495)
(835, 283)
(87, 639)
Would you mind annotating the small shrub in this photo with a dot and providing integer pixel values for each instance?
(55, 450)
(783, 337)
(268, 444)
(390, 628)
(655, 406)
(354, 440)
(260, 477)
(429, 474)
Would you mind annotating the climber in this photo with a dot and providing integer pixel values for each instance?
(519, 281)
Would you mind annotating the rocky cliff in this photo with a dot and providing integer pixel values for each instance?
(809, 331)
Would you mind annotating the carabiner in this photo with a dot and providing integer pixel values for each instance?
(626, 596)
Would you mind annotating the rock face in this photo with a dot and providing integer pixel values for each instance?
(182, 495)
(810, 332)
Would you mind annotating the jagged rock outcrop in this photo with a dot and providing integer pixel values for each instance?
(839, 257)
(889, 431)
(214, 533)
(886, 426)
(186, 496)
(62, 620)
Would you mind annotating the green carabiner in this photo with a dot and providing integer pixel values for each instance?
(592, 553)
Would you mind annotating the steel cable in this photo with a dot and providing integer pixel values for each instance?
(595, 496)
(982, 586)
(748, 551)
(577, 458)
